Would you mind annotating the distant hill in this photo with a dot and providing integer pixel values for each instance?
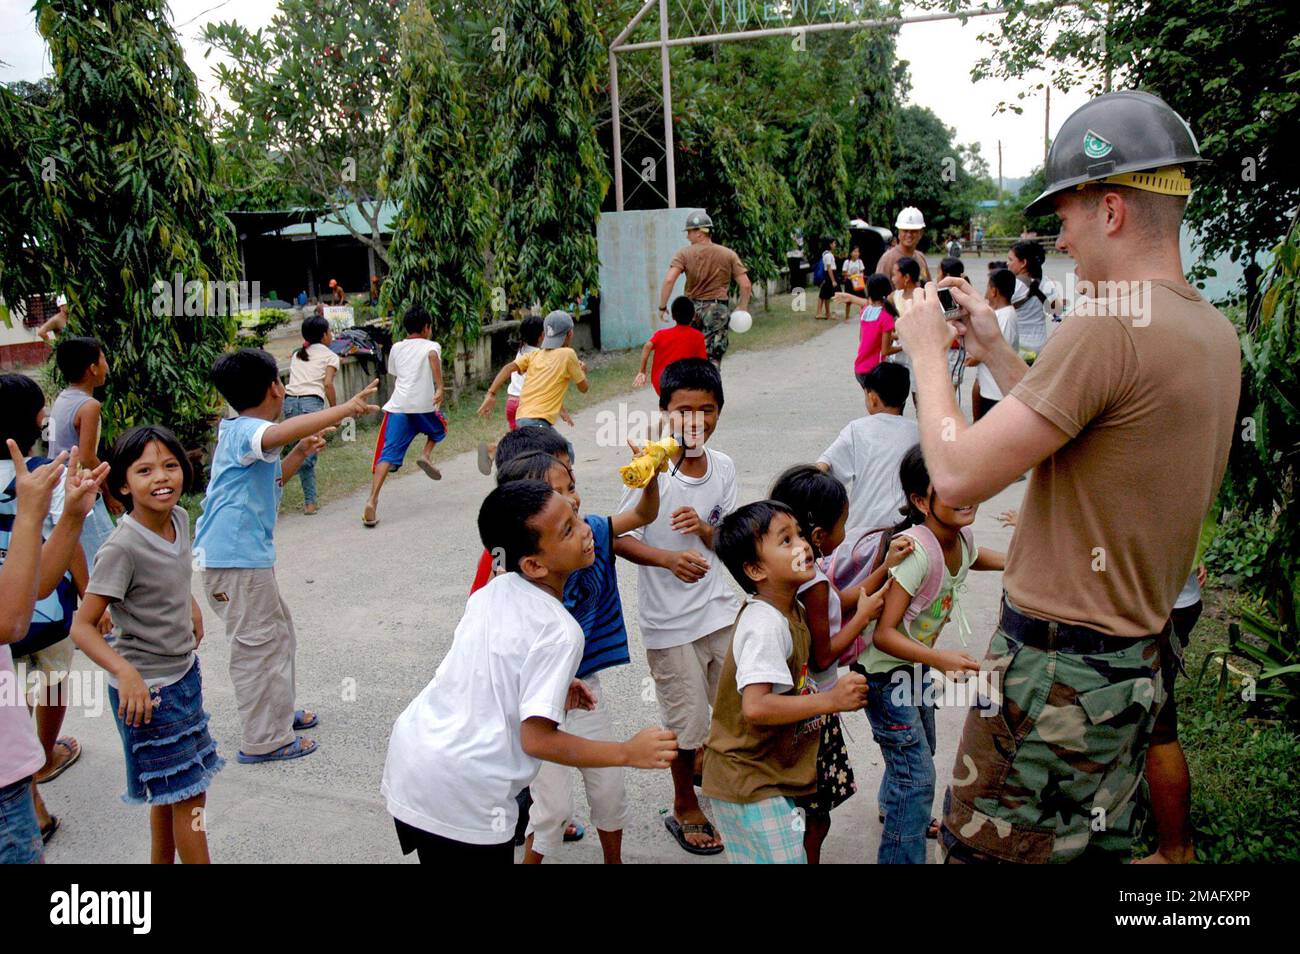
(1013, 183)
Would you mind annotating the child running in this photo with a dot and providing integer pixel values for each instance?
(683, 340)
(142, 577)
(234, 543)
(311, 388)
(591, 596)
(685, 606)
(821, 507)
(927, 593)
(415, 406)
(477, 734)
(761, 753)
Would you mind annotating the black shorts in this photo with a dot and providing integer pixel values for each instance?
(984, 405)
(1183, 618)
(827, 290)
(435, 849)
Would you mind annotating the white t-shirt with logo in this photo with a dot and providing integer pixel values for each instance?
(670, 612)
(865, 457)
(408, 362)
(1010, 329)
(455, 757)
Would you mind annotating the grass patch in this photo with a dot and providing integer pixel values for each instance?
(1245, 771)
(344, 468)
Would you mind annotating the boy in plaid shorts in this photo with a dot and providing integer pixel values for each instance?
(767, 716)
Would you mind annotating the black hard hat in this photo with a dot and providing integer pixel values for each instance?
(1125, 132)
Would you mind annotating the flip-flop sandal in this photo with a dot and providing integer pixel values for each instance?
(371, 520)
(294, 750)
(300, 723)
(73, 746)
(484, 459)
(432, 472)
(48, 831)
(680, 831)
(579, 832)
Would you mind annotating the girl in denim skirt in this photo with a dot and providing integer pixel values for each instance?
(142, 578)
(311, 388)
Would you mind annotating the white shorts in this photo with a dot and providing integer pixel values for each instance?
(552, 790)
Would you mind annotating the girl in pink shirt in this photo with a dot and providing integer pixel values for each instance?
(877, 317)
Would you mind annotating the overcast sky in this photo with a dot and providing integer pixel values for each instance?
(941, 55)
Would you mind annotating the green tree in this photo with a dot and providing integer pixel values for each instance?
(129, 209)
(822, 184)
(931, 172)
(879, 83)
(436, 256)
(311, 91)
(548, 164)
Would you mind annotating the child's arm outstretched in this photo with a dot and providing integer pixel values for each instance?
(134, 705)
(890, 639)
(646, 511)
(761, 706)
(21, 569)
(689, 566)
(649, 749)
(986, 559)
(305, 425)
(490, 399)
(646, 349)
(62, 548)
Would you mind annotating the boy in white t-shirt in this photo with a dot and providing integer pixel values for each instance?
(467, 745)
(866, 454)
(1002, 288)
(686, 607)
(414, 408)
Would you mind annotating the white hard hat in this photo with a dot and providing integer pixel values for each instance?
(61, 300)
(910, 218)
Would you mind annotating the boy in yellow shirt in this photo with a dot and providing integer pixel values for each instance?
(547, 374)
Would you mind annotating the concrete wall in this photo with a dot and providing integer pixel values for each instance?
(635, 248)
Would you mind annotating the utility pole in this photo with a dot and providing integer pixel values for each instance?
(1047, 117)
(999, 171)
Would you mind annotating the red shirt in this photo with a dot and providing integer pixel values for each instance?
(483, 574)
(673, 344)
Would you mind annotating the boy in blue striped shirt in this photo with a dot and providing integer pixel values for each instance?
(591, 597)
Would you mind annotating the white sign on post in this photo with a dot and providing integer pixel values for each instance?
(340, 316)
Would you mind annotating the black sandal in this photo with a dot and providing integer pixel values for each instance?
(679, 831)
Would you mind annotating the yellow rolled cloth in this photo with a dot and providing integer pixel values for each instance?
(653, 461)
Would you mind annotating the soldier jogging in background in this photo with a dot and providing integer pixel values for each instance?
(709, 269)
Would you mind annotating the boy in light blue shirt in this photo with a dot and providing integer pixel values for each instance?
(235, 549)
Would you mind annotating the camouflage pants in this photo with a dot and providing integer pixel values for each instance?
(713, 318)
(1049, 772)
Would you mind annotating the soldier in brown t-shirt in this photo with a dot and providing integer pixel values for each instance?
(709, 269)
(1126, 420)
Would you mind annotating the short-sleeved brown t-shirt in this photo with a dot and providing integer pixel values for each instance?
(885, 265)
(1109, 524)
(709, 269)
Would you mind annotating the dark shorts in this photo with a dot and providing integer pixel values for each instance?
(983, 406)
(1183, 619)
(835, 784)
(434, 849)
(398, 430)
(827, 290)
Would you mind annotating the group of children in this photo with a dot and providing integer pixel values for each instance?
(750, 690)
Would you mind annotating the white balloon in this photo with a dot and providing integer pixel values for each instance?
(741, 321)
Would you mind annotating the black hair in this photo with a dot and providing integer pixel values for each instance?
(915, 478)
(814, 497)
(314, 329)
(530, 330)
(131, 446)
(952, 266)
(683, 310)
(522, 440)
(1033, 255)
(995, 266)
(909, 267)
(75, 356)
(21, 401)
(690, 374)
(534, 465)
(890, 382)
(503, 520)
(416, 320)
(243, 377)
(879, 286)
(736, 540)
(1004, 280)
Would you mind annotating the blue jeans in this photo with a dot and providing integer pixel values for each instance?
(20, 835)
(903, 727)
(294, 406)
(543, 422)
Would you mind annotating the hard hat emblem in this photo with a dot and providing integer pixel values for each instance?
(1094, 146)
